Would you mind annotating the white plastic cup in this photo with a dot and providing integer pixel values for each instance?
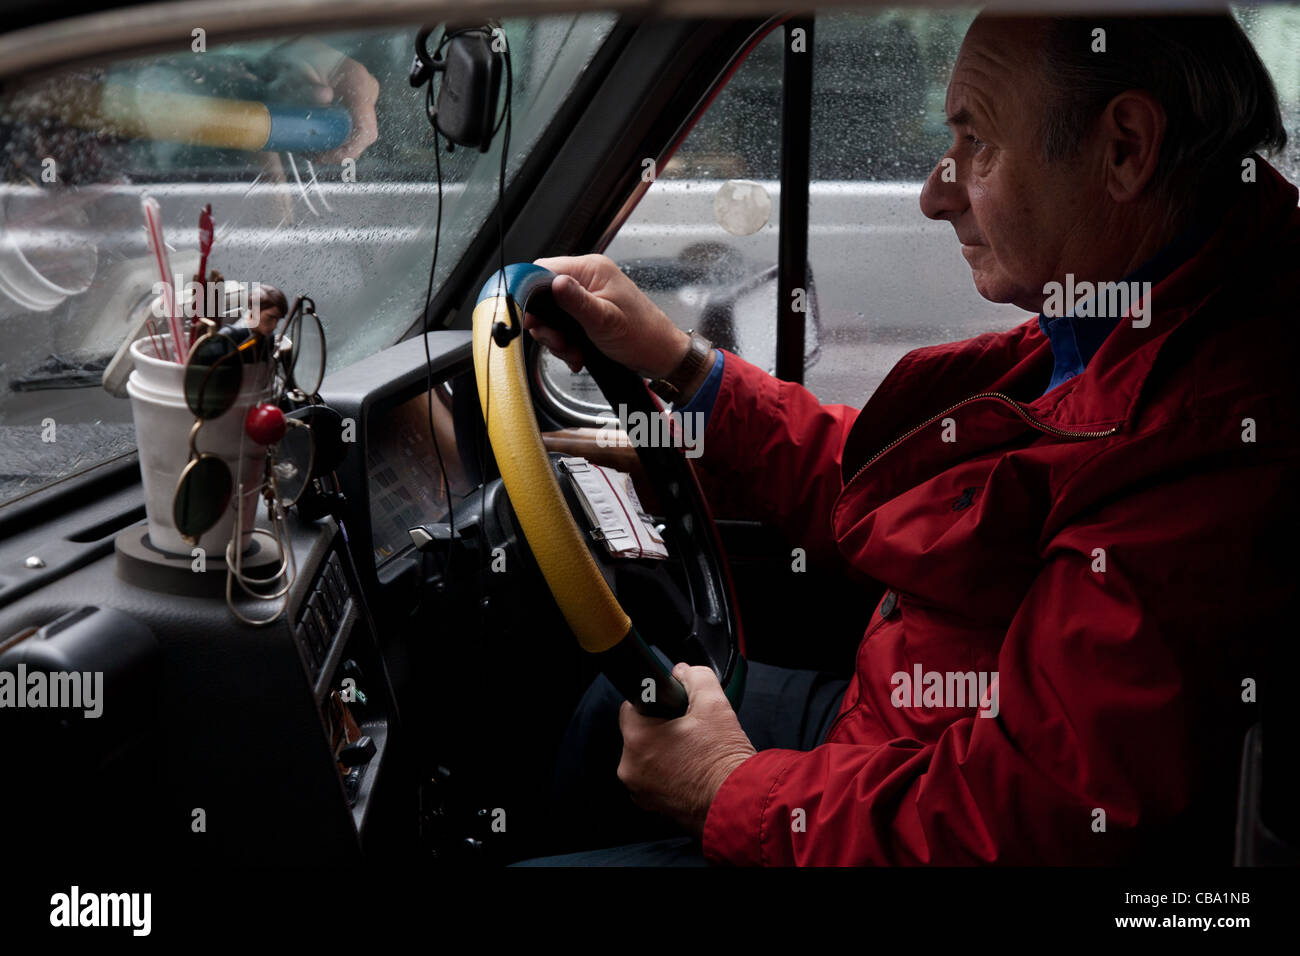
(162, 429)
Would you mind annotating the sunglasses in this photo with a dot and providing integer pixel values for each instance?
(214, 371)
(300, 352)
(213, 378)
(204, 489)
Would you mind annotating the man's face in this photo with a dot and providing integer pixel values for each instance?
(1022, 222)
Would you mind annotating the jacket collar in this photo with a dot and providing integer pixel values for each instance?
(1076, 338)
(1262, 220)
(1256, 241)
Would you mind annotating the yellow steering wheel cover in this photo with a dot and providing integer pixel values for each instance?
(592, 611)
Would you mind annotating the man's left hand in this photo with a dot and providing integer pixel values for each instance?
(675, 767)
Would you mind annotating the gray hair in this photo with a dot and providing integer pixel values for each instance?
(1219, 101)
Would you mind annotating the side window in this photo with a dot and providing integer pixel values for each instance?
(888, 279)
(883, 279)
(1275, 33)
(702, 242)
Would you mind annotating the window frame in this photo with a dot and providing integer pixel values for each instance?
(561, 411)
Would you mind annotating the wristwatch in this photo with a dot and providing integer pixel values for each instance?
(689, 374)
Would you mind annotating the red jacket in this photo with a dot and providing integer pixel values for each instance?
(1120, 551)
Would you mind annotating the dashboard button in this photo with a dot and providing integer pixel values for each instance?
(322, 628)
(325, 602)
(340, 582)
(311, 640)
(308, 645)
(316, 625)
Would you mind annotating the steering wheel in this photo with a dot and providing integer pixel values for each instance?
(576, 569)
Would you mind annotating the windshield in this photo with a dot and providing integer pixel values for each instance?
(336, 201)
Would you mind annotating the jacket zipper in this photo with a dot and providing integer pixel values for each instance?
(1029, 419)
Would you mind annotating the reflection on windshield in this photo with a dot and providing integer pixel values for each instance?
(316, 157)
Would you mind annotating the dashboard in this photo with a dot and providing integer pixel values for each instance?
(288, 738)
(247, 724)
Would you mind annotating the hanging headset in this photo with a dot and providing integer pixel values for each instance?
(470, 61)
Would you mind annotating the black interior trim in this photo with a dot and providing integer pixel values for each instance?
(796, 171)
(49, 501)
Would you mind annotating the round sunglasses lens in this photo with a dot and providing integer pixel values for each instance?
(213, 375)
(292, 461)
(202, 496)
(308, 353)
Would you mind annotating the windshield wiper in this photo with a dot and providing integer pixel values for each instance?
(70, 370)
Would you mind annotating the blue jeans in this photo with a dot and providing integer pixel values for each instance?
(781, 708)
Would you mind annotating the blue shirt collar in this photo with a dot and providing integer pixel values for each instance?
(1075, 340)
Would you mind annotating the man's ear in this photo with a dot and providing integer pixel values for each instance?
(1133, 130)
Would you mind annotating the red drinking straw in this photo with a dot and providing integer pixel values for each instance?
(206, 231)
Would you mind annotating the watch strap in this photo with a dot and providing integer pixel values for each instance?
(689, 373)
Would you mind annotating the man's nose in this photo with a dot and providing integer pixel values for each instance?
(943, 196)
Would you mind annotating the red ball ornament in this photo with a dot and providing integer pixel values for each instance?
(264, 424)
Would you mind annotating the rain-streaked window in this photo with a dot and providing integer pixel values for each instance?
(884, 279)
(246, 128)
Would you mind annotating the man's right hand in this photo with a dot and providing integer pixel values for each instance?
(618, 317)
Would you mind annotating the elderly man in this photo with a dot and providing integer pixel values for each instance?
(1091, 513)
